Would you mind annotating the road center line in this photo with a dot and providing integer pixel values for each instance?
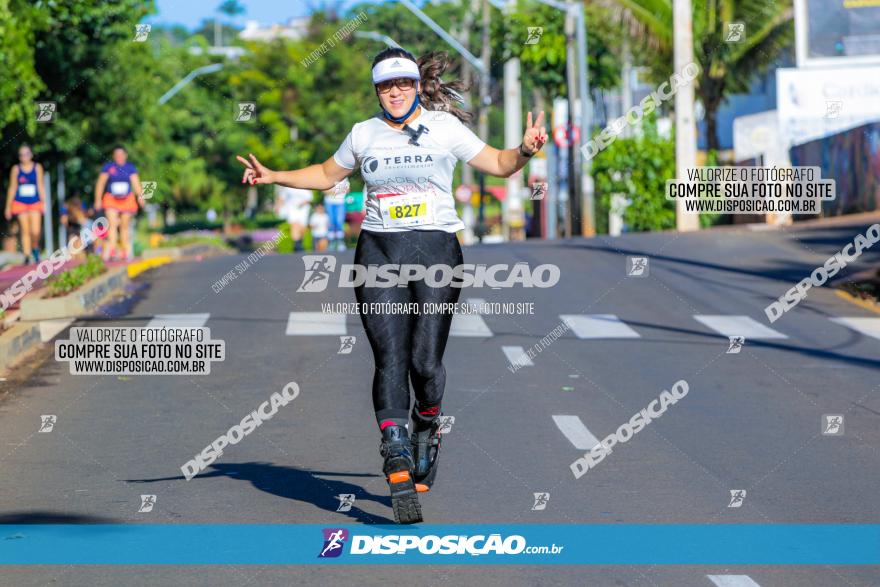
(576, 432)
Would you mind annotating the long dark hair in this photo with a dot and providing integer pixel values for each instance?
(434, 94)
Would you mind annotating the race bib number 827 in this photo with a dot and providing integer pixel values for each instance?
(399, 210)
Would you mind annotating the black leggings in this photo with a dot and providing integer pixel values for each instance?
(407, 347)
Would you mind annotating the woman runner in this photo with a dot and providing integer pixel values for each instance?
(407, 155)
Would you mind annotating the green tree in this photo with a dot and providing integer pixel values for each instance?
(20, 84)
(637, 169)
(726, 67)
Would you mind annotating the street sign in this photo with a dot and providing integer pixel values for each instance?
(559, 137)
(562, 138)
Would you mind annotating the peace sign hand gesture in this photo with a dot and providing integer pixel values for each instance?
(255, 172)
(535, 135)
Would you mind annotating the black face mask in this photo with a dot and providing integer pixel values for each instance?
(414, 134)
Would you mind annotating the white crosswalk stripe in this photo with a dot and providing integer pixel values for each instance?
(732, 581)
(516, 355)
(469, 325)
(576, 432)
(179, 320)
(867, 326)
(315, 324)
(745, 326)
(590, 326)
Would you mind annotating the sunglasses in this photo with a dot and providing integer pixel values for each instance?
(403, 83)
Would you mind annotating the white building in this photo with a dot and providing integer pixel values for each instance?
(295, 28)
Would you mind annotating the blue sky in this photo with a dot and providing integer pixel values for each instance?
(190, 13)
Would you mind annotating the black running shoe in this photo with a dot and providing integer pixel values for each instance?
(398, 469)
(426, 451)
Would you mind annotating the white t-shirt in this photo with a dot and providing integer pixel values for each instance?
(293, 203)
(409, 187)
(320, 224)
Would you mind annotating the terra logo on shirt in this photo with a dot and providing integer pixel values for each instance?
(369, 165)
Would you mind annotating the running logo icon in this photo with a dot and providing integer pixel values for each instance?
(246, 111)
(47, 423)
(46, 111)
(534, 35)
(832, 424)
(541, 500)
(736, 32)
(637, 266)
(833, 108)
(334, 540)
(346, 344)
(141, 32)
(736, 345)
(318, 270)
(149, 188)
(737, 496)
(538, 191)
(147, 503)
(446, 423)
(346, 500)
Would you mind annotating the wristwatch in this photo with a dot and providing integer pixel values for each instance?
(524, 153)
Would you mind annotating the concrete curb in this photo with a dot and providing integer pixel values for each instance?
(135, 269)
(20, 339)
(184, 251)
(77, 303)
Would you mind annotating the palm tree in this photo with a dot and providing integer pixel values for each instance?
(726, 67)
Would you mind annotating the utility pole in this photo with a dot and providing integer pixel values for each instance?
(574, 171)
(588, 224)
(467, 172)
(485, 100)
(685, 123)
(513, 132)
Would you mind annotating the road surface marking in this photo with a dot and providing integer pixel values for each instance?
(732, 581)
(598, 326)
(867, 326)
(50, 328)
(745, 326)
(315, 323)
(470, 325)
(516, 355)
(179, 320)
(575, 431)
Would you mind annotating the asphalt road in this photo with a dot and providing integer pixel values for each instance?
(752, 420)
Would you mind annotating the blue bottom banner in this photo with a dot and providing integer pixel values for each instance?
(523, 544)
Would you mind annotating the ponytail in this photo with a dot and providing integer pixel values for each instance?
(435, 94)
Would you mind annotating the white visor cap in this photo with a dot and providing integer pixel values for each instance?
(395, 67)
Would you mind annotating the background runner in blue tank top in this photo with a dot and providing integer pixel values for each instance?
(24, 200)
